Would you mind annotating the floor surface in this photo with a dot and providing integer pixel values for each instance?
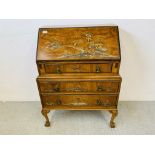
(24, 118)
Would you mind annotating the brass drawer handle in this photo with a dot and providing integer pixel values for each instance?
(98, 70)
(101, 103)
(58, 70)
(76, 89)
(100, 88)
(57, 88)
(49, 103)
(76, 68)
(58, 102)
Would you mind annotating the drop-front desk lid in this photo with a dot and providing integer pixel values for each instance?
(78, 43)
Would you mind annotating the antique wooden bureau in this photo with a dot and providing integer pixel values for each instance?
(79, 69)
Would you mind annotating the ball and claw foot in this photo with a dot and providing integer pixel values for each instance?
(112, 124)
(47, 124)
(114, 114)
(44, 113)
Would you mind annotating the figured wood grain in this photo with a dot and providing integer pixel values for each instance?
(79, 69)
(79, 100)
(76, 86)
(84, 43)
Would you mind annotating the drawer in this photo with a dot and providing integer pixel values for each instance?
(104, 86)
(58, 68)
(79, 100)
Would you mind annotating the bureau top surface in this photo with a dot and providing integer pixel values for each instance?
(78, 43)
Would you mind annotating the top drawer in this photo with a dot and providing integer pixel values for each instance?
(76, 67)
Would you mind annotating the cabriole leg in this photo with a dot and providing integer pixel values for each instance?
(44, 113)
(114, 114)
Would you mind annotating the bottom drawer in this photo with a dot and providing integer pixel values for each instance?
(79, 100)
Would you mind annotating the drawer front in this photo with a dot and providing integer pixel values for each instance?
(79, 100)
(76, 67)
(79, 86)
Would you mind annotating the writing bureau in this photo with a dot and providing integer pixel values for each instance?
(79, 69)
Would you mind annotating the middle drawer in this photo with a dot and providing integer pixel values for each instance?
(46, 86)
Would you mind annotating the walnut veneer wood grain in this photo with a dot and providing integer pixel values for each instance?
(79, 69)
(76, 86)
(76, 43)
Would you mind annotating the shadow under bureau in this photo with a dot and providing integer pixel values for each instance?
(79, 69)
